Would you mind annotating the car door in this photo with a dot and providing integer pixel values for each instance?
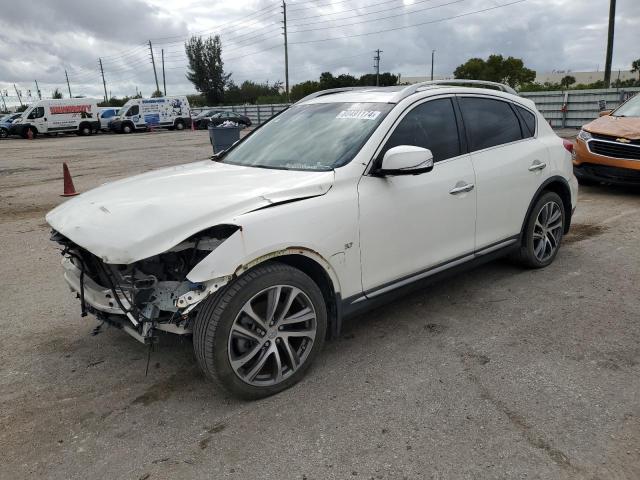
(414, 225)
(39, 119)
(509, 163)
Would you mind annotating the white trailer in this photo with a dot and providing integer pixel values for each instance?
(144, 113)
(79, 115)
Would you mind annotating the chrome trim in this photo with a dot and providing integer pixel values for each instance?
(420, 276)
(614, 143)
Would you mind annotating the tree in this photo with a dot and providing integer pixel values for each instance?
(386, 79)
(496, 68)
(301, 90)
(567, 81)
(56, 94)
(157, 94)
(206, 69)
(635, 67)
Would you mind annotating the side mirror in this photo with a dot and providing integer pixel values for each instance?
(406, 160)
(605, 113)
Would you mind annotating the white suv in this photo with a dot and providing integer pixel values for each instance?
(332, 206)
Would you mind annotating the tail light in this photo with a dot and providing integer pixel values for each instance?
(568, 145)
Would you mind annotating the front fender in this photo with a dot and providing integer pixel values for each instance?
(235, 256)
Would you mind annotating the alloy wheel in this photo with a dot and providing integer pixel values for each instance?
(272, 335)
(547, 231)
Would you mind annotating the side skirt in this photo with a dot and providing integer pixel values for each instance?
(359, 304)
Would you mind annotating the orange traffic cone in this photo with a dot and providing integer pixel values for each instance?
(193, 125)
(69, 189)
(29, 134)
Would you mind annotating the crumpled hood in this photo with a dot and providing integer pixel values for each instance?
(623, 127)
(142, 216)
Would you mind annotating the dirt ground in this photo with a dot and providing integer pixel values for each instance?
(499, 373)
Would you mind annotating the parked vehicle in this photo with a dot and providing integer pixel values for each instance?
(201, 121)
(77, 115)
(608, 149)
(5, 123)
(221, 117)
(106, 114)
(342, 201)
(144, 113)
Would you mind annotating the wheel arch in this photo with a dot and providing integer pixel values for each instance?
(220, 269)
(557, 185)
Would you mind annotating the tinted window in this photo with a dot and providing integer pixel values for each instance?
(489, 122)
(108, 114)
(529, 122)
(135, 110)
(431, 125)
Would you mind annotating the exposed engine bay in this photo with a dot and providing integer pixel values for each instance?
(145, 296)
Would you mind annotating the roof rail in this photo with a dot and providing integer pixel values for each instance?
(411, 89)
(329, 91)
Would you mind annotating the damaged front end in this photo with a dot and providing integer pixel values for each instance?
(148, 295)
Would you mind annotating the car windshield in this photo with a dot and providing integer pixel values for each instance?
(319, 136)
(629, 109)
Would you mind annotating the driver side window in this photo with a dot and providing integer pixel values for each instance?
(430, 125)
(37, 112)
(135, 110)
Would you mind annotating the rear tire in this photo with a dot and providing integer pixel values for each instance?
(543, 232)
(4, 133)
(259, 354)
(85, 129)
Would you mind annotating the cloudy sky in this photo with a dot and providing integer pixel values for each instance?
(40, 39)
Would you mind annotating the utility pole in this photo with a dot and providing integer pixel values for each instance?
(433, 54)
(286, 48)
(376, 65)
(38, 91)
(104, 84)
(18, 94)
(68, 85)
(164, 80)
(612, 26)
(3, 102)
(153, 62)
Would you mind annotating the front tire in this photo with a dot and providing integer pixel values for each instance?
(543, 232)
(260, 334)
(126, 128)
(179, 125)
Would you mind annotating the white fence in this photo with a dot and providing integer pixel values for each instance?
(563, 109)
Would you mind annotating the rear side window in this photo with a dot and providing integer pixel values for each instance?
(108, 113)
(489, 122)
(430, 125)
(529, 118)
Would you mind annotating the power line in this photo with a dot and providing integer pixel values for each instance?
(430, 22)
(379, 19)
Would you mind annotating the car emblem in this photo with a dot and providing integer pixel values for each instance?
(623, 140)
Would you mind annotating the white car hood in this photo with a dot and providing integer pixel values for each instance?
(142, 216)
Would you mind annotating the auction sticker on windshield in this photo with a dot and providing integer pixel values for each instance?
(359, 114)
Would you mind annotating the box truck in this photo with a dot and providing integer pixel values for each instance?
(144, 113)
(79, 115)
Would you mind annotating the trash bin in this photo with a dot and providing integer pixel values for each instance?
(223, 137)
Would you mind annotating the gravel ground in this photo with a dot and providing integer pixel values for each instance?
(497, 373)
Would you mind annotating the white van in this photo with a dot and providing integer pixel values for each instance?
(78, 115)
(144, 113)
(105, 115)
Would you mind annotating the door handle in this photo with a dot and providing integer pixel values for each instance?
(461, 187)
(537, 165)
